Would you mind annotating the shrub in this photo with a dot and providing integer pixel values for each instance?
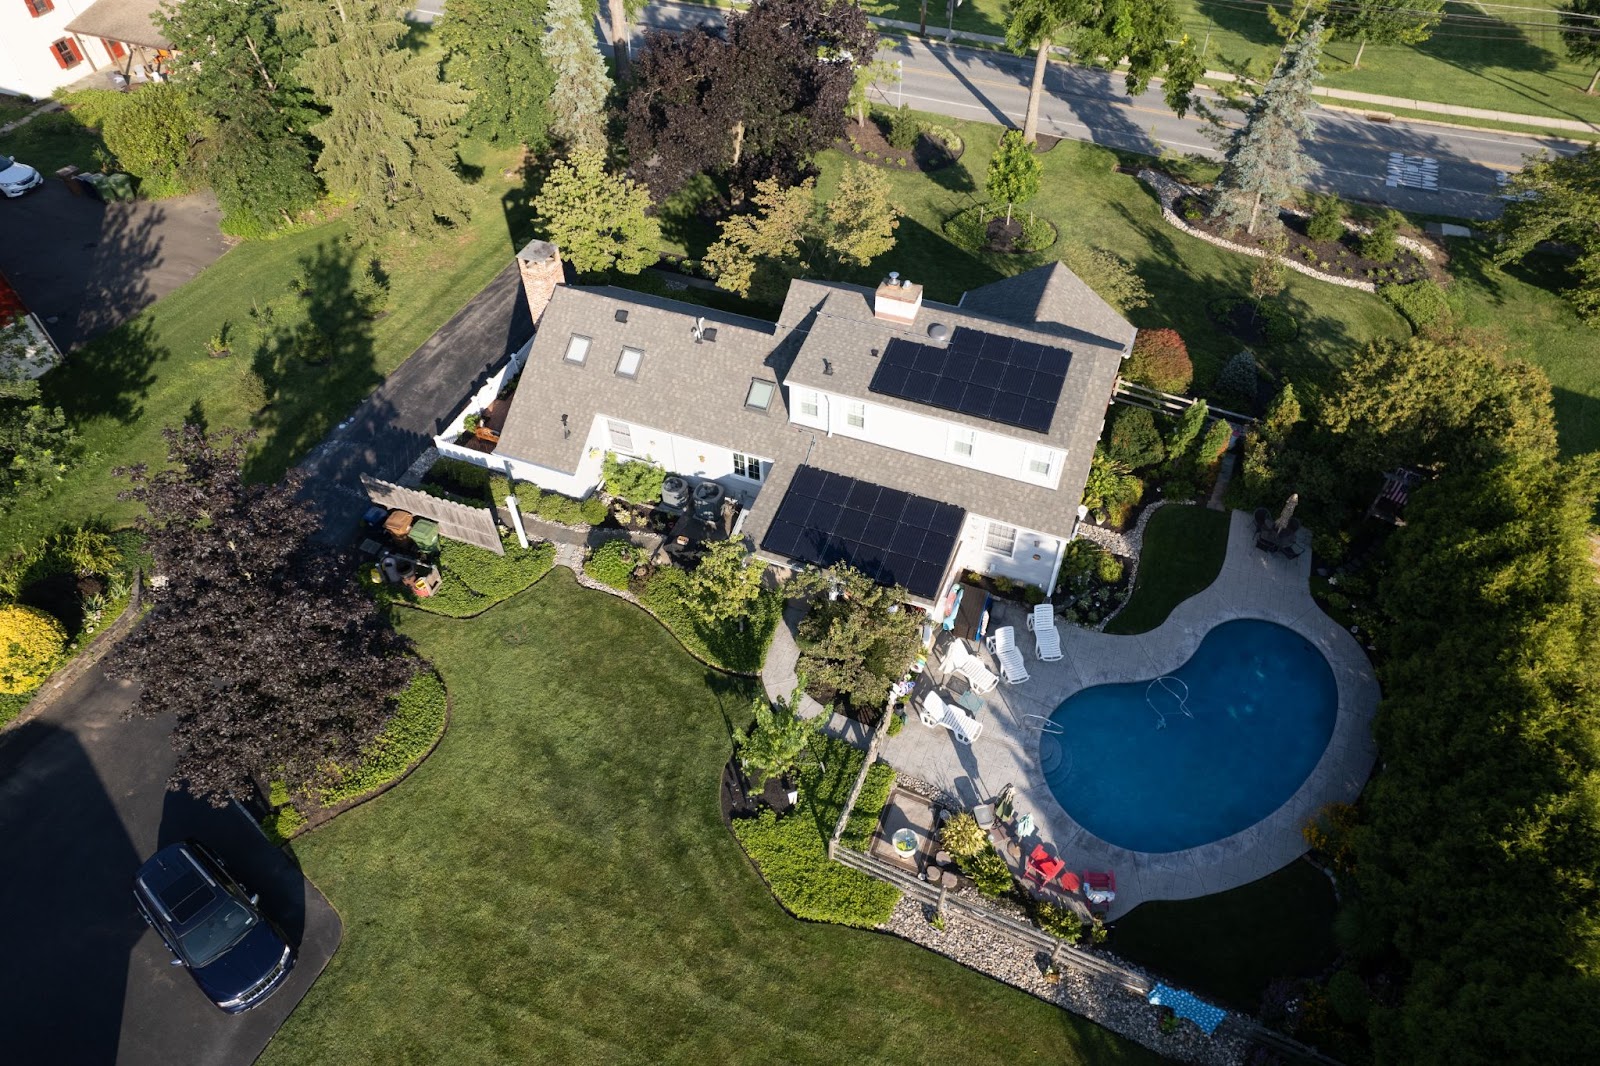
(988, 871)
(635, 480)
(1378, 243)
(1215, 441)
(282, 824)
(946, 137)
(86, 551)
(1240, 380)
(1160, 360)
(1279, 326)
(1348, 996)
(903, 129)
(1422, 302)
(612, 563)
(739, 648)
(419, 719)
(1108, 568)
(30, 643)
(1059, 921)
(500, 488)
(864, 817)
(563, 510)
(1110, 484)
(1327, 218)
(150, 136)
(962, 837)
(475, 579)
(1133, 438)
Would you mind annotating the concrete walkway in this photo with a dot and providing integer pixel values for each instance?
(1251, 585)
(779, 677)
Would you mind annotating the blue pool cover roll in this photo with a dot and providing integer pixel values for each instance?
(1187, 1005)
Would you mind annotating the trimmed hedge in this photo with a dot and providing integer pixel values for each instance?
(563, 510)
(612, 563)
(864, 817)
(792, 852)
(475, 580)
(418, 721)
(667, 595)
(1422, 302)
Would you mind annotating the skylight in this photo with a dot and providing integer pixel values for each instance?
(577, 349)
(628, 363)
(760, 395)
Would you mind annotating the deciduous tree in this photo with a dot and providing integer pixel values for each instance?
(494, 49)
(259, 643)
(578, 100)
(858, 639)
(1580, 22)
(1383, 22)
(780, 737)
(726, 584)
(1145, 33)
(1558, 199)
(389, 136)
(860, 217)
(1013, 172)
(1264, 164)
(598, 219)
(1161, 361)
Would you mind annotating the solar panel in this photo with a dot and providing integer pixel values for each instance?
(984, 375)
(891, 536)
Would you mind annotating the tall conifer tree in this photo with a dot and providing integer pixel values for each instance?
(494, 51)
(1265, 163)
(389, 137)
(577, 103)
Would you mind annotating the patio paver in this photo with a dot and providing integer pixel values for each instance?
(1013, 749)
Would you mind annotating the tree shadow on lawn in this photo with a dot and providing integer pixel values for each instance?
(109, 377)
(320, 363)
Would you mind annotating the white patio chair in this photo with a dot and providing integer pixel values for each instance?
(1004, 645)
(959, 659)
(965, 727)
(1046, 637)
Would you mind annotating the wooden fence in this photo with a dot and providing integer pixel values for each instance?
(1168, 404)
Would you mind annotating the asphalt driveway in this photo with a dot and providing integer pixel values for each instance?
(83, 980)
(85, 267)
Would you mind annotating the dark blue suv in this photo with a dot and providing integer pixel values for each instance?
(212, 926)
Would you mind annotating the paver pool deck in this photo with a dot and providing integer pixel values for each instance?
(1012, 749)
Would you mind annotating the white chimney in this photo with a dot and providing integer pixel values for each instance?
(897, 301)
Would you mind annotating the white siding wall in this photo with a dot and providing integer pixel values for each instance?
(892, 427)
(973, 553)
(692, 458)
(26, 65)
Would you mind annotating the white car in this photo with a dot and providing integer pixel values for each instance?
(17, 178)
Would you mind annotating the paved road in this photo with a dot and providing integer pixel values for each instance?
(1351, 155)
(84, 267)
(83, 802)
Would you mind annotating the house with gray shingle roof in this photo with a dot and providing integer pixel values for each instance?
(912, 439)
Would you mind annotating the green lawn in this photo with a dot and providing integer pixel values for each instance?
(120, 391)
(1230, 946)
(555, 884)
(1182, 554)
(1493, 65)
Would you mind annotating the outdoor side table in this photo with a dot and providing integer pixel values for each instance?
(971, 701)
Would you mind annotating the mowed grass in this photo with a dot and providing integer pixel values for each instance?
(121, 390)
(555, 884)
(1182, 554)
(1230, 946)
(1092, 203)
(1489, 62)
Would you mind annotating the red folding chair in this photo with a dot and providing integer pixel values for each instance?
(1042, 866)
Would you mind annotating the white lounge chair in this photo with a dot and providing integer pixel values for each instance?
(1004, 646)
(935, 711)
(959, 659)
(1046, 637)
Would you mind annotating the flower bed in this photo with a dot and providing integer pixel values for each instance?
(936, 148)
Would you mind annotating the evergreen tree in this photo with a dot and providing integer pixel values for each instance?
(1383, 22)
(1264, 162)
(596, 218)
(577, 103)
(1145, 33)
(389, 137)
(1013, 171)
(1558, 199)
(1580, 21)
(495, 50)
(258, 156)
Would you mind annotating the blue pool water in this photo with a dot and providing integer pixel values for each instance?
(1139, 772)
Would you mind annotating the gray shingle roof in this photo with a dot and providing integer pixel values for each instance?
(131, 21)
(695, 390)
(1052, 299)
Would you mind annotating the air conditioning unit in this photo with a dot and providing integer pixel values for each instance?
(708, 501)
(675, 492)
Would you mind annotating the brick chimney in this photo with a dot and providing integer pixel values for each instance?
(539, 263)
(897, 301)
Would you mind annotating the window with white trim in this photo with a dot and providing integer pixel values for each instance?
(855, 414)
(66, 53)
(963, 442)
(1041, 461)
(747, 466)
(628, 362)
(1000, 539)
(621, 435)
(808, 403)
(39, 7)
(577, 349)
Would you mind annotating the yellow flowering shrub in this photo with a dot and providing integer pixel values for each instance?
(30, 642)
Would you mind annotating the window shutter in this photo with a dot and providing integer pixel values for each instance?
(40, 7)
(55, 50)
(77, 56)
(114, 49)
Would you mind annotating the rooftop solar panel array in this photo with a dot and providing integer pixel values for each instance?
(1003, 379)
(891, 536)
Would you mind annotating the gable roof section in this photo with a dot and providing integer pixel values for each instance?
(129, 21)
(1052, 299)
(693, 390)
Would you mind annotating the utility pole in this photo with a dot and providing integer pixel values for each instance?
(922, 23)
(900, 88)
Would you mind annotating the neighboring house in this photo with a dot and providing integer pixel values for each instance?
(912, 439)
(47, 44)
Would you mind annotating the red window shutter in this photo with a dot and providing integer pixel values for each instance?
(40, 7)
(114, 49)
(77, 56)
(55, 50)
(66, 52)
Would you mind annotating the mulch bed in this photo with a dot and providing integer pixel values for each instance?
(1342, 257)
(739, 800)
(926, 156)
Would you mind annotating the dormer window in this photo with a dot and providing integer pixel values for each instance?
(577, 349)
(759, 398)
(628, 362)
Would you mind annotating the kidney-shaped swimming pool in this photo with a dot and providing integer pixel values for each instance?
(1181, 760)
